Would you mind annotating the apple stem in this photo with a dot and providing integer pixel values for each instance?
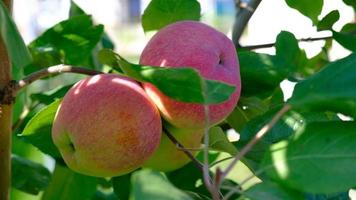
(262, 132)
(244, 11)
(57, 69)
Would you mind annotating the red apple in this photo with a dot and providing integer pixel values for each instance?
(193, 44)
(106, 126)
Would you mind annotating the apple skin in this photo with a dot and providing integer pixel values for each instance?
(106, 126)
(193, 44)
(168, 157)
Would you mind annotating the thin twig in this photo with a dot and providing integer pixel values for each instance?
(57, 69)
(244, 12)
(181, 147)
(267, 45)
(262, 132)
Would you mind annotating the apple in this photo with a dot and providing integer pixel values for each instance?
(106, 126)
(193, 44)
(168, 156)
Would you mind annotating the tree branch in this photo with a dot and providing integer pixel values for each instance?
(181, 147)
(260, 46)
(244, 12)
(5, 121)
(262, 132)
(57, 69)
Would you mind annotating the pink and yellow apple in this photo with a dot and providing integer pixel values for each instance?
(193, 44)
(168, 156)
(106, 126)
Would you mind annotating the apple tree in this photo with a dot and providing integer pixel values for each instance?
(300, 148)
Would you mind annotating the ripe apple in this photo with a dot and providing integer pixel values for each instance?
(106, 126)
(168, 156)
(193, 44)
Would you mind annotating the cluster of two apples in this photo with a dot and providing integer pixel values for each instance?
(108, 125)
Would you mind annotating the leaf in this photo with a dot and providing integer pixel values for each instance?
(307, 8)
(271, 191)
(15, 46)
(160, 13)
(68, 185)
(333, 88)
(28, 176)
(319, 159)
(75, 10)
(259, 74)
(69, 42)
(347, 40)
(183, 84)
(289, 57)
(38, 130)
(50, 96)
(121, 185)
(219, 141)
(289, 124)
(104, 196)
(350, 3)
(338, 196)
(328, 21)
(151, 185)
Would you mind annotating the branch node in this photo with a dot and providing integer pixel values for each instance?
(7, 94)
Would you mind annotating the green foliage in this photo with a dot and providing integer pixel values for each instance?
(17, 50)
(69, 42)
(28, 176)
(68, 185)
(323, 91)
(328, 21)
(121, 185)
(160, 13)
(271, 191)
(219, 141)
(184, 84)
(307, 8)
(38, 130)
(151, 185)
(310, 161)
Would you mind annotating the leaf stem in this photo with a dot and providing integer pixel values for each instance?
(262, 132)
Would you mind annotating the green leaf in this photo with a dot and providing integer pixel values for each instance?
(183, 84)
(16, 48)
(160, 13)
(69, 42)
(289, 57)
(350, 3)
(219, 141)
(68, 185)
(307, 8)
(38, 130)
(104, 196)
(151, 185)
(50, 96)
(121, 185)
(328, 21)
(338, 196)
(333, 88)
(347, 40)
(28, 176)
(259, 74)
(271, 191)
(318, 159)
(75, 10)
